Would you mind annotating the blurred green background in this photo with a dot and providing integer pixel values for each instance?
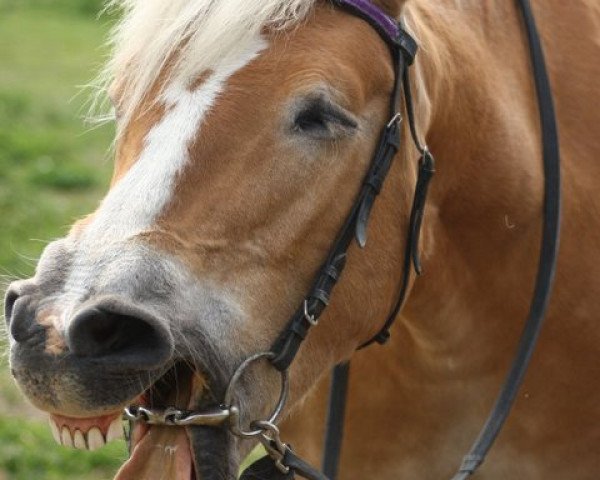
(53, 169)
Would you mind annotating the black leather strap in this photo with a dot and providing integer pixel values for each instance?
(300, 467)
(335, 420)
(266, 468)
(308, 313)
(411, 252)
(548, 256)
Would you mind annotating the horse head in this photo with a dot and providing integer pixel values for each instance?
(244, 133)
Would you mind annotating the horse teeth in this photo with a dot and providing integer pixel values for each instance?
(55, 431)
(115, 430)
(66, 438)
(79, 440)
(95, 439)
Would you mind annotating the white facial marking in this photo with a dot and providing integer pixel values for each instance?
(135, 202)
(138, 198)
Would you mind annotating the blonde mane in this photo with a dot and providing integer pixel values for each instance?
(202, 33)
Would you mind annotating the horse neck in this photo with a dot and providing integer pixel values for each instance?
(481, 232)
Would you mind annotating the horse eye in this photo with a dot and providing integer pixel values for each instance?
(311, 120)
(320, 119)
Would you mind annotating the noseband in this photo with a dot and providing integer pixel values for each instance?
(281, 462)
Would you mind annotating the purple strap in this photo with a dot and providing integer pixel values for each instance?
(369, 9)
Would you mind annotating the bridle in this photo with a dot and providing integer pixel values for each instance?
(281, 462)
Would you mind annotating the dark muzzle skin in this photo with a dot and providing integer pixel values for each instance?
(108, 350)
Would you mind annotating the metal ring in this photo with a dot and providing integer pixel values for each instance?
(236, 426)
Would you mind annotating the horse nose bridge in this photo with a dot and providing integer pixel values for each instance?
(116, 331)
(132, 268)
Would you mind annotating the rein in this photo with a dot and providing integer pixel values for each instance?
(281, 462)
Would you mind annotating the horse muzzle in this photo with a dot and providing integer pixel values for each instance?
(95, 362)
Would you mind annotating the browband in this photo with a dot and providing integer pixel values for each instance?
(382, 22)
(387, 27)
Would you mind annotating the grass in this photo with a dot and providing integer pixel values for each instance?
(52, 171)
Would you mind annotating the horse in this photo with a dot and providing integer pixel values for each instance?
(244, 131)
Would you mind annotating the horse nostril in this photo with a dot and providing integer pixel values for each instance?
(124, 338)
(20, 313)
(9, 303)
(99, 332)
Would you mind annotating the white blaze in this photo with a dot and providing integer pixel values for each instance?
(136, 201)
